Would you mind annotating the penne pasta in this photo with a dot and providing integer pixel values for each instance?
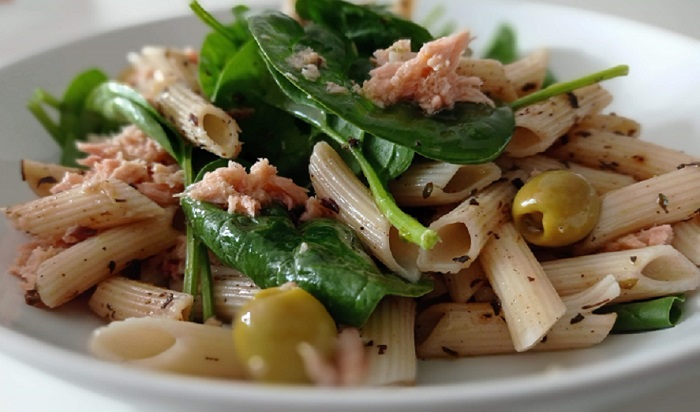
(492, 73)
(528, 73)
(464, 230)
(83, 265)
(538, 126)
(231, 291)
(333, 180)
(201, 122)
(530, 303)
(119, 298)
(642, 273)
(41, 177)
(602, 180)
(449, 330)
(464, 284)
(686, 238)
(611, 151)
(388, 337)
(168, 345)
(437, 183)
(667, 198)
(88, 207)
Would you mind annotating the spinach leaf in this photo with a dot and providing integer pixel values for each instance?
(75, 121)
(470, 133)
(120, 103)
(219, 45)
(369, 27)
(322, 256)
(346, 134)
(504, 48)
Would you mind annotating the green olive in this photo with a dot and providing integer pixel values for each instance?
(271, 326)
(556, 208)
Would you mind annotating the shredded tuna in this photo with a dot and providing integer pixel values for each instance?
(657, 235)
(240, 192)
(316, 208)
(131, 157)
(429, 78)
(347, 368)
(29, 257)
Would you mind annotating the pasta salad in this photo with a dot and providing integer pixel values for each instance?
(327, 195)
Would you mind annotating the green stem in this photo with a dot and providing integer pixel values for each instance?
(197, 277)
(210, 21)
(34, 105)
(566, 87)
(641, 316)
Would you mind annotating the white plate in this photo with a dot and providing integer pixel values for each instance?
(662, 91)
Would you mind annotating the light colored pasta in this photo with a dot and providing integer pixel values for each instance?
(608, 150)
(168, 345)
(464, 230)
(83, 265)
(539, 125)
(119, 298)
(388, 336)
(450, 330)
(642, 273)
(231, 291)
(437, 183)
(686, 238)
(93, 206)
(602, 180)
(41, 177)
(159, 67)
(611, 122)
(528, 73)
(464, 284)
(201, 122)
(334, 181)
(492, 73)
(530, 303)
(667, 198)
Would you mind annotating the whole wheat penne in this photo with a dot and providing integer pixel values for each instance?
(686, 238)
(333, 180)
(528, 73)
(602, 180)
(90, 206)
(464, 230)
(492, 73)
(41, 177)
(119, 298)
(200, 121)
(462, 285)
(469, 329)
(83, 265)
(608, 150)
(538, 126)
(388, 336)
(642, 273)
(667, 198)
(437, 183)
(530, 303)
(610, 122)
(168, 345)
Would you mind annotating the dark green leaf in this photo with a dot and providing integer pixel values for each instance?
(503, 46)
(470, 133)
(369, 27)
(322, 256)
(120, 103)
(647, 315)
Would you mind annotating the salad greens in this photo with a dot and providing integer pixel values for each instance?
(646, 315)
(247, 67)
(322, 256)
(75, 121)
